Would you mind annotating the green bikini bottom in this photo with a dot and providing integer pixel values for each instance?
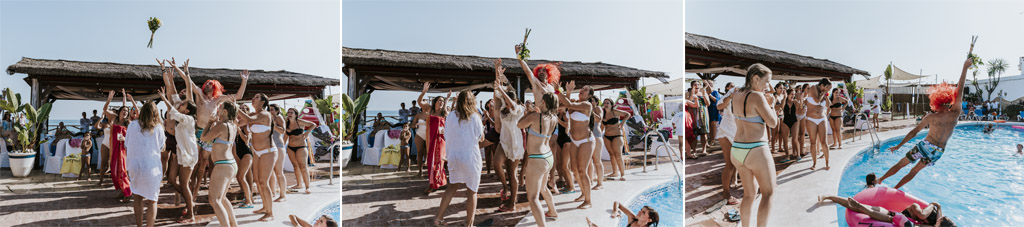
(740, 150)
(546, 156)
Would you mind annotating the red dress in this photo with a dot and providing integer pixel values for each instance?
(436, 152)
(118, 167)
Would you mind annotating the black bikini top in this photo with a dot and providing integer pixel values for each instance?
(836, 105)
(612, 121)
(293, 132)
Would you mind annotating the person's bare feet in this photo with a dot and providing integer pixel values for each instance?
(266, 218)
(732, 201)
(579, 199)
(260, 211)
(307, 191)
(585, 205)
(292, 219)
(280, 199)
(598, 187)
(827, 168)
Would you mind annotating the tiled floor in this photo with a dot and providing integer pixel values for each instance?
(50, 200)
(380, 197)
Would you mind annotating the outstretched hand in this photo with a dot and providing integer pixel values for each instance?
(426, 87)
(245, 74)
(893, 149)
(160, 92)
(110, 95)
(519, 47)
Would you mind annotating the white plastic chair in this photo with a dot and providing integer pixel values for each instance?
(371, 156)
(53, 162)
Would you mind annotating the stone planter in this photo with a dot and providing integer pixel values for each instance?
(21, 163)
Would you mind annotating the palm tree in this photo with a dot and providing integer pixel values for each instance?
(996, 67)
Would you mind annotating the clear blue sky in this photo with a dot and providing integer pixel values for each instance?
(298, 36)
(641, 34)
(928, 36)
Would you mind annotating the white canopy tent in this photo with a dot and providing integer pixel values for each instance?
(673, 87)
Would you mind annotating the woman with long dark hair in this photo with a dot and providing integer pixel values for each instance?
(298, 147)
(463, 154)
(221, 134)
(582, 139)
(116, 153)
(244, 159)
(750, 153)
(260, 123)
(435, 151)
(278, 132)
(835, 117)
(817, 121)
(185, 151)
(614, 140)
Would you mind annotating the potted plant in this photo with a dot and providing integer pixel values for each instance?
(27, 134)
(349, 130)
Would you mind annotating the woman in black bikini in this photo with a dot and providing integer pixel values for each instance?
(244, 157)
(613, 139)
(297, 146)
(562, 155)
(789, 122)
(835, 118)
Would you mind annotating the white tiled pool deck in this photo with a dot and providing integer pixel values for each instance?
(622, 191)
(299, 204)
(795, 198)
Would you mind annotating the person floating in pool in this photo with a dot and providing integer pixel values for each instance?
(913, 215)
(989, 128)
(1020, 149)
(943, 100)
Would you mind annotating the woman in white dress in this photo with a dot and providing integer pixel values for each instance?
(464, 159)
(144, 140)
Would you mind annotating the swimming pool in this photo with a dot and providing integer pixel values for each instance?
(666, 198)
(331, 209)
(978, 181)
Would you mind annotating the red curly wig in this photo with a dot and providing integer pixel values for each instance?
(942, 95)
(552, 70)
(218, 89)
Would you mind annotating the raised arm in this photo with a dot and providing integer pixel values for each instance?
(106, 107)
(500, 94)
(132, 99)
(168, 75)
(424, 105)
(618, 207)
(162, 94)
(195, 90)
(538, 87)
(245, 81)
(960, 84)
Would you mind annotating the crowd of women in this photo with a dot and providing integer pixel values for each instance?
(757, 120)
(528, 143)
(204, 138)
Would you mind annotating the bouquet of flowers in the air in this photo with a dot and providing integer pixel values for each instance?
(154, 24)
(524, 53)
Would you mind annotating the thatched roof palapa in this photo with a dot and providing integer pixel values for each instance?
(705, 52)
(87, 80)
(400, 70)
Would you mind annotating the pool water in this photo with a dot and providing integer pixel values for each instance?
(979, 181)
(665, 198)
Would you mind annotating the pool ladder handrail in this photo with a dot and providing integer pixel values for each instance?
(671, 155)
(872, 132)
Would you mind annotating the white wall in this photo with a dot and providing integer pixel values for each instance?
(1012, 85)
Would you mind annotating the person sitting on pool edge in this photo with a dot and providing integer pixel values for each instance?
(645, 217)
(913, 215)
(943, 100)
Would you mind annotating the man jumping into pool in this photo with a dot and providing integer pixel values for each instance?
(945, 101)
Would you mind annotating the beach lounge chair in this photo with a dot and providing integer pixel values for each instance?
(1020, 115)
(978, 115)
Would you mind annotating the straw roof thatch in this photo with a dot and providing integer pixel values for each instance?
(743, 50)
(108, 70)
(391, 58)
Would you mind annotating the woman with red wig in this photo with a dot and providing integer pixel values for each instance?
(945, 101)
